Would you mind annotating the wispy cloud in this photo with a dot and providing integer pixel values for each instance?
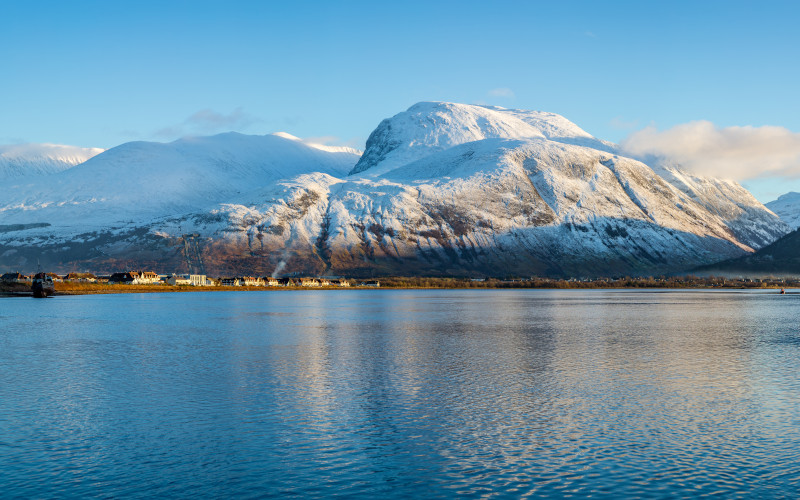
(738, 153)
(504, 92)
(12, 140)
(620, 123)
(208, 121)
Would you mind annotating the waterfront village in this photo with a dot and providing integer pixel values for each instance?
(151, 278)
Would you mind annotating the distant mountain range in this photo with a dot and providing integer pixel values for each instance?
(441, 189)
(29, 160)
(787, 207)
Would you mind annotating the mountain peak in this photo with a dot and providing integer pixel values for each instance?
(791, 195)
(429, 127)
(447, 188)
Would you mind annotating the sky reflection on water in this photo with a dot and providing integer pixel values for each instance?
(401, 393)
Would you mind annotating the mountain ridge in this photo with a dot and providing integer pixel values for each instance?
(441, 189)
(779, 258)
(787, 207)
(25, 160)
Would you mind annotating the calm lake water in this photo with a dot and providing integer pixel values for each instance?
(401, 393)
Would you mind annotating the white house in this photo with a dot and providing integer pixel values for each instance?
(144, 278)
(251, 281)
(177, 280)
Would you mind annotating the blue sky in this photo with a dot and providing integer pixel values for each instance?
(102, 73)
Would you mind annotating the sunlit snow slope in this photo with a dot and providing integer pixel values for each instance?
(787, 207)
(25, 160)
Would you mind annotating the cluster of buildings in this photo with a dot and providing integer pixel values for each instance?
(71, 277)
(271, 281)
(151, 278)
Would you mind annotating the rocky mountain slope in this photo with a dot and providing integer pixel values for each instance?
(740, 210)
(442, 189)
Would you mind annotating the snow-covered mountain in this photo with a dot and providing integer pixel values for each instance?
(141, 180)
(25, 160)
(740, 210)
(787, 207)
(447, 189)
(429, 127)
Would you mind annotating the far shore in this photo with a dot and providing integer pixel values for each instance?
(690, 282)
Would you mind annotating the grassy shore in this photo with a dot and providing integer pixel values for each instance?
(66, 288)
(100, 288)
(72, 288)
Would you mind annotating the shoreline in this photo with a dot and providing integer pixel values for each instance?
(62, 289)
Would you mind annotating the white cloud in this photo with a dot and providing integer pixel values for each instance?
(502, 92)
(737, 153)
(208, 121)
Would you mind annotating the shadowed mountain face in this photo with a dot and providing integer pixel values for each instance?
(442, 189)
(781, 258)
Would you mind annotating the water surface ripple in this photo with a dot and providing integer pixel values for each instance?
(401, 393)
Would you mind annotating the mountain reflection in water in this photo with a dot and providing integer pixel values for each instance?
(401, 393)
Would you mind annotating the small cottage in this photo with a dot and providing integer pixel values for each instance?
(81, 277)
(179, 280)
(14, 278)
(251, 281)
(121, 278)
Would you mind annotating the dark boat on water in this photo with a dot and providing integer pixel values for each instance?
(42, 285)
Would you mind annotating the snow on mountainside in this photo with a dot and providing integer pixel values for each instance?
(322, 147)
(747, 217)
(487, 207)
(447, 189)
(787, 207)
(24, 160)
(524, 204)
(139, 179)
(428, 127)
(557, 128)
